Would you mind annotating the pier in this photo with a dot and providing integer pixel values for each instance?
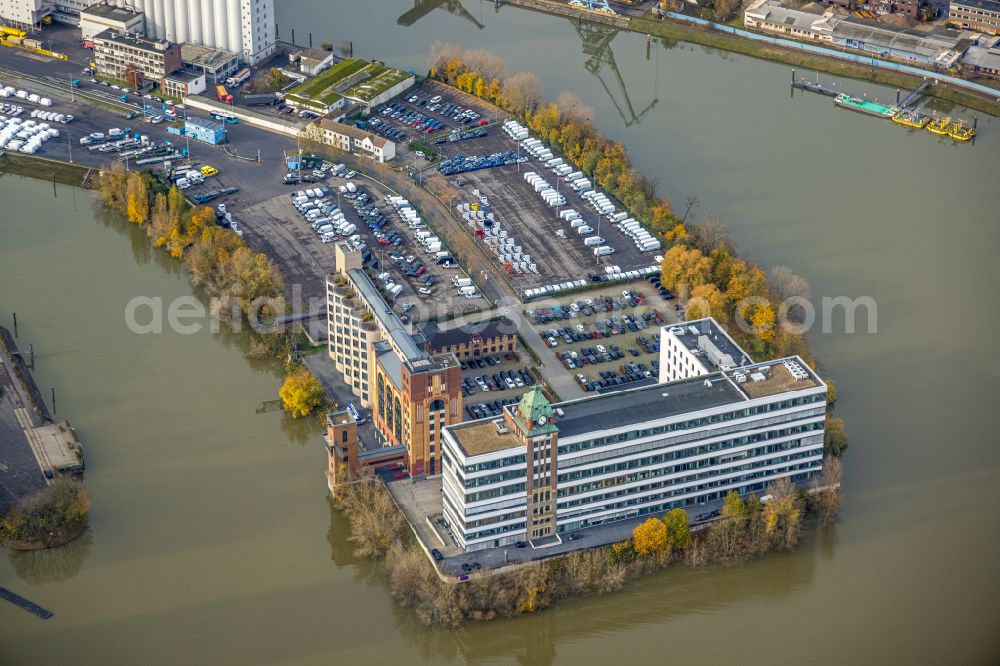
(20, 601)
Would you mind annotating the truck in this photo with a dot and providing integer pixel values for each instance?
(603, 250)
(239, 78)
(461, 282)
(258, 99)
(223, 95)
(593, 240)
(465, 291)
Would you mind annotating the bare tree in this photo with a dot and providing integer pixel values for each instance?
(572, 108)
(826, 490)
(691, 202)
(787, 284)
(441, 52)
(709, 234)
(522, 91)
(489, 65)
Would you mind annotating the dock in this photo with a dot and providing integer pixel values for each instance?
(904, 112)
(21, 602)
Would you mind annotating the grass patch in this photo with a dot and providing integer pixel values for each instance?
(43, 169)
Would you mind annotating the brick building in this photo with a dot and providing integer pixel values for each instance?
(498, 336)
(979, 15)
(115, 53)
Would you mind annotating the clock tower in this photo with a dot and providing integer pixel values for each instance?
(533, 420)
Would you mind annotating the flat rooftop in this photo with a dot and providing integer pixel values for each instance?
(481, 437)
(711, 344)
(343, 417)
(391, 364)
(649, 403)
(135, 41)
(204, 56)
(782, 376)
(387, 318)
(110, 12)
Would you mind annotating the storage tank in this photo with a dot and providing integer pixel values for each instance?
(194, 21)
(218, 33)
(233, 16)
(206, 20)
(170, 19)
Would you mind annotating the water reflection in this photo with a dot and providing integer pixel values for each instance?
(423, 7)
(651, 600)
(52, 565)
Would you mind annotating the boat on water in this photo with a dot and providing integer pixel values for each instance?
(960, 131)
(911, 119)
(939, 125)
(865, 106)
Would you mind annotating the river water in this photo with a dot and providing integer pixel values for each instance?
(212, 540)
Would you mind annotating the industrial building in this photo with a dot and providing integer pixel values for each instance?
(350, 80)
(182, 83)
(116, 53)
(941, 48)
(351, 139)
(24, 13)
(99, 17)
(216, 64)
(497, 336)
(413, 394)
(205, 130)
(979, 15)
(727, 424)
(246, 27)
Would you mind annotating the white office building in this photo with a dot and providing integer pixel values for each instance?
(246, 27)
(686, 442)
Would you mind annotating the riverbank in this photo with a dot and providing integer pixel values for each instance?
(44, 168)
(714, 38)
(675, 30)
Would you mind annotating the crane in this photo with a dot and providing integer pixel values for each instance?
(597, 47)
(423, 7)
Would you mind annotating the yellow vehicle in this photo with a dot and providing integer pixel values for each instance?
(939, 125)
(8, 31)
(209, 171)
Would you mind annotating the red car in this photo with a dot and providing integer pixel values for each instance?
(384, 241)
(482, 122)
(401, 475)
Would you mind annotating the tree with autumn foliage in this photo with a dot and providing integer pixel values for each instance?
(650, 537)
(706, 301)
(301, 393)
(684, 268)
(137, 198)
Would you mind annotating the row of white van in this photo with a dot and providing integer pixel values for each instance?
(11, 91)
(24, 136)
(325, 217)
(51, 116)
(549, 194)
(391, 287)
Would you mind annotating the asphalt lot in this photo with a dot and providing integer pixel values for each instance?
(613, 331)
(475, 395)
(532, 223)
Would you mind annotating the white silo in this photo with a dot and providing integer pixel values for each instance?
(216, 34)
(206, 21)
(235, 33)
(180, 22)
(159, 23)
(169, 21)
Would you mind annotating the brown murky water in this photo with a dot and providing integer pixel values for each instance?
(212, 539)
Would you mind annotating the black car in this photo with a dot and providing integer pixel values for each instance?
(466, 567)
(436, 554)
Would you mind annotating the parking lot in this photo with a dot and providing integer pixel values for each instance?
(389, 246)
(553, 245)
(490, 382)
(608, 339)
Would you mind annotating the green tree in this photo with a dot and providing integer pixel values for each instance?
(678, 529)
(301, 393)
(835, 437)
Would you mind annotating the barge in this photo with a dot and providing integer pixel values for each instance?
(865, 106)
